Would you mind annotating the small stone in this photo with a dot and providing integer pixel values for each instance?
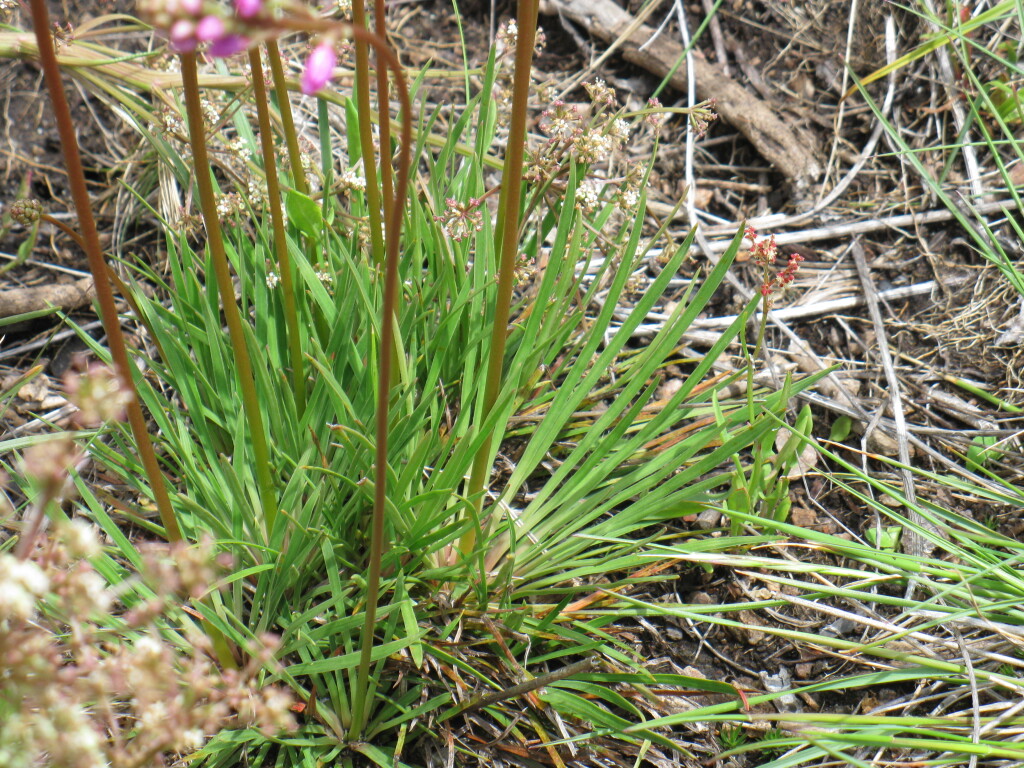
(708, 519)
(748, 634)
(803, 517)
(702, 598)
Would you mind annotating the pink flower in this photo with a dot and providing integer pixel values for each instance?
(246, 9)
(191, 7)
(209, 29)
(228, 45)
(319, 67)
(183, 36)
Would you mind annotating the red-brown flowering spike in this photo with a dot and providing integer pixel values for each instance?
(765, 253)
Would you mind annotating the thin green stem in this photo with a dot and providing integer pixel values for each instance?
(236, 333)
(98, 266)
(507, 236)
(284, 265)
(284, 107)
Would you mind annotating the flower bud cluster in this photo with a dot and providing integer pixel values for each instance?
(591, 141)
(460, 220)
(701, 116)
(26, 212)
(100, 394)
(765, 253)
(505, 46)
(71, 697)
(190, 23)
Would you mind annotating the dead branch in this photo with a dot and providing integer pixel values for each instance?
(20, 301)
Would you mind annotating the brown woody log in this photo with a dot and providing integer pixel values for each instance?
(19, 301)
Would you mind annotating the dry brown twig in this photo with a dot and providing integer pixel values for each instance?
(21, 301)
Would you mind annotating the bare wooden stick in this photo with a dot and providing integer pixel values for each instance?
(808, 310)
(845, 229)
(21, 301)
(914, 543)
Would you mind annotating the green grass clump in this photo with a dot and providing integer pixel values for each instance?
(427, 439)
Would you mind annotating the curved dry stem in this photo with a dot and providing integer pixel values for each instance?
(394, 210)
(507, 235)
(97, 264)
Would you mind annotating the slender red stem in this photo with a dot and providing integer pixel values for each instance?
(98, 266)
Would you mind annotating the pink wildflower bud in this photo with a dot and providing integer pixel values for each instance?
(246, 9)
(228, 45)
(319, 67)
(183, 36)
(191, 7)
(209, 29)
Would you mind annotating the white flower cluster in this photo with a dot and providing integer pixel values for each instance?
(21, 583)
(353, 179)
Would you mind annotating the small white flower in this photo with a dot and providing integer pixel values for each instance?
(92, 594)
(171, 122)
(78, 739)
(257, 194)
(229, 204)
(80, 538)
(191, 739)
(272, 280)
(592, 147)
(210, 111)
(21, 582)
(325, 277)
(619, 130)
(148, 649)
(351, 179)
(154, 716)
(628, 200)
(587, 197)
